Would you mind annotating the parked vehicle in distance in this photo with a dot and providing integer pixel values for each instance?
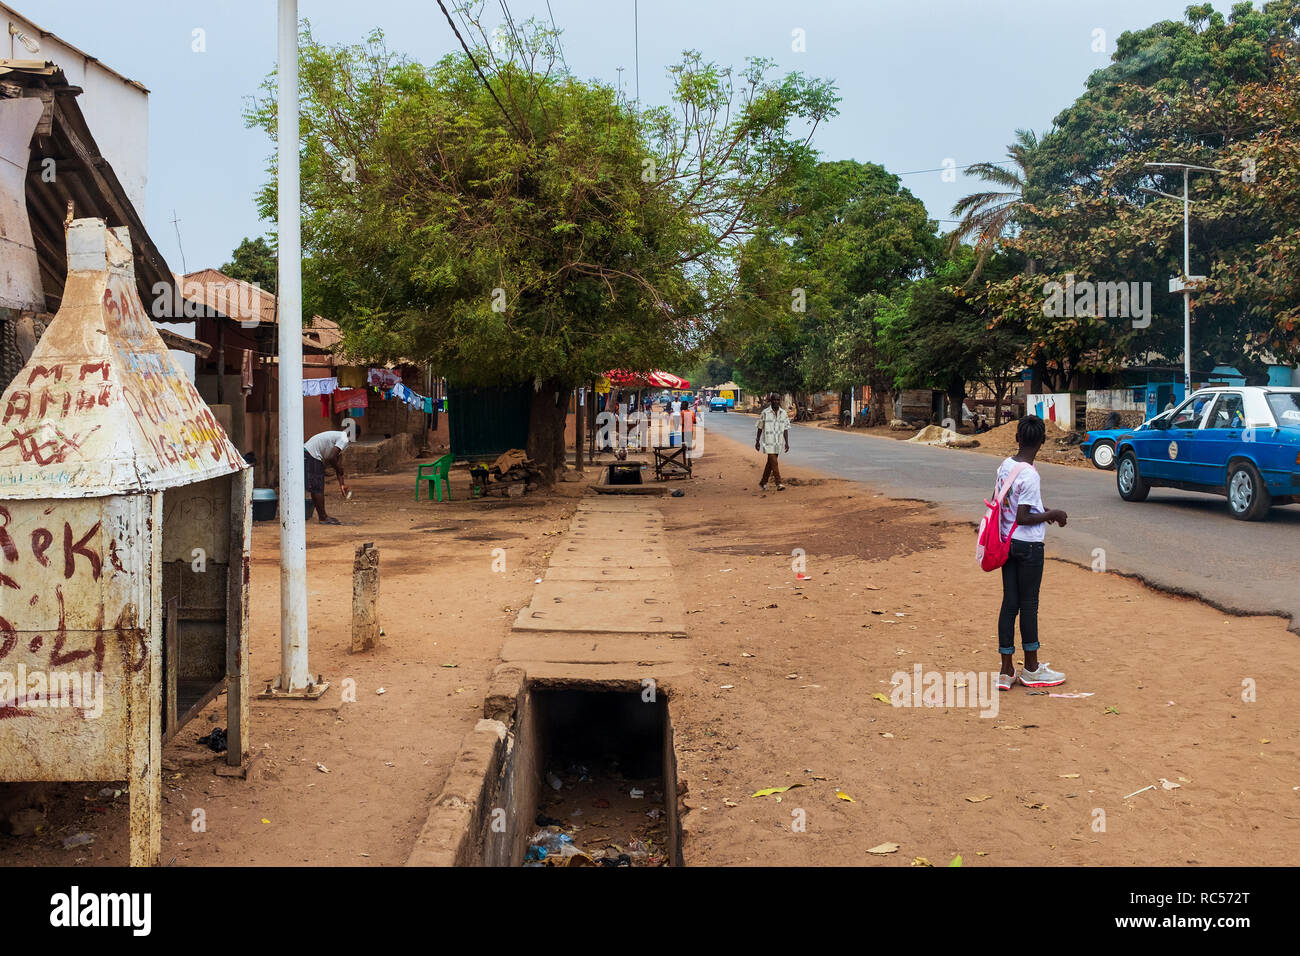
(719, 404)
(1240, 442)
(1098, 445)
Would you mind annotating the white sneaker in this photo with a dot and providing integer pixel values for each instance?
(762, 487)
(1043, 677)
(1005, 681)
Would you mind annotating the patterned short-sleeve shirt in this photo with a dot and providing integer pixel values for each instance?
(774, 425)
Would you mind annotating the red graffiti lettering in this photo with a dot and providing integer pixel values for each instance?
(70, 551)
(7, 545)
(10, 636)
(40, 371)
(41, 540)
(20, 403)
(46, 402)
(88, 367)
(49, 451)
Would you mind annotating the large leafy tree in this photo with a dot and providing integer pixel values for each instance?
(508, 223)
(842, 233)
(1214, 91)
(941, 333)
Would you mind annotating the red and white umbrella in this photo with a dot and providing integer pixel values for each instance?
(655, 379)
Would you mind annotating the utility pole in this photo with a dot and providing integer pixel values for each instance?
(1186, 283)
(295, 680)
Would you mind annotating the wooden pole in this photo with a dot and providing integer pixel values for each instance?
(221, 362)
(579, 414)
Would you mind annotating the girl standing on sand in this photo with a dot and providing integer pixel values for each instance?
(1022, 575)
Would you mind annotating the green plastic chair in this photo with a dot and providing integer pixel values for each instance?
(436, 475)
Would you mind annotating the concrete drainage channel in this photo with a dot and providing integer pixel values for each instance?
(574, 754)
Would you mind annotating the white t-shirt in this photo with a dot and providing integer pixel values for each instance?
(1027, 489)
(319, 446)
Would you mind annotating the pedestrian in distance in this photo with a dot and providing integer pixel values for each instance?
(773, 429)
(318, 452)
(1022, 575)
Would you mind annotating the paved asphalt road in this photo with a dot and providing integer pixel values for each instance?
(1178, 541)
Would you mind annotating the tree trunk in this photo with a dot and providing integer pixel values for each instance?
(882, 407)
(546, 429)
(956, 398)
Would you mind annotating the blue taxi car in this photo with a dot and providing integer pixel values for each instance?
(1098, 444)
(1240, 442)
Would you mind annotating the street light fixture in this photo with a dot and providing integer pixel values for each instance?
(1186, 283)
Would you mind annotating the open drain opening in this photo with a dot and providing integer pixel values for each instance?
(591, 780)
(623, 474)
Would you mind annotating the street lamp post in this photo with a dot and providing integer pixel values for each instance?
(1186, 283)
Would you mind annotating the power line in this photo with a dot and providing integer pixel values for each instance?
(558, 44)
(942, 169)
(636, 48)
(479, 70)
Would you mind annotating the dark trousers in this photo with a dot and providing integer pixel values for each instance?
(772, 469)
(1022, 576)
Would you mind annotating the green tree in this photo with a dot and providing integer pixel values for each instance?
(522, 225)
(942, 334)
(1212, 90)
(842, 233)
(254, 261)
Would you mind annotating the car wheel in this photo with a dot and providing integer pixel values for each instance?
(1129, 480)
(1248, 499)
(1103, 455)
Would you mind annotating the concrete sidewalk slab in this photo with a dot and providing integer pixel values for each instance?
(604, 606)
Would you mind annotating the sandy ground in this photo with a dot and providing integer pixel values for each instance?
(444, 614)
(892, 585)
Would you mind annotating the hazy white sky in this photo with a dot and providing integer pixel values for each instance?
(922, 80)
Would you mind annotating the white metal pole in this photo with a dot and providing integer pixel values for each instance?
(1187, 295)
(294, 675)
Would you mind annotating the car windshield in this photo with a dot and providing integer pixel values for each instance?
(1286, 408)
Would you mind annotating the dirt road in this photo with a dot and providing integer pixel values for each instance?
(786, 678)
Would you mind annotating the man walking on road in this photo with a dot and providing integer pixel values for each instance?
(773, 429)
(317, 452)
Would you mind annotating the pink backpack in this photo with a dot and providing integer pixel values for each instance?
(991, 549)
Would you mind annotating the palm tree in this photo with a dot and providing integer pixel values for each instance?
(986, 216)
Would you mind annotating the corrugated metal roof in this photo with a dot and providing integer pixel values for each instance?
(101, 407)
(239, 300)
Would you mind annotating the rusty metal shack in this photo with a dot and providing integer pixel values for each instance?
(124, 547)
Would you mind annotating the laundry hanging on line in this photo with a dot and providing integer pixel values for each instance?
(319, 386)
(383, 377)
(346, 399)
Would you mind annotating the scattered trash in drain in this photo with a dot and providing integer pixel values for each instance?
(599, 818)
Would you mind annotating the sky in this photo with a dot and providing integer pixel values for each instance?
(924, 83)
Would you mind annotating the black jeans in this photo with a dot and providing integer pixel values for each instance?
(1022, 576)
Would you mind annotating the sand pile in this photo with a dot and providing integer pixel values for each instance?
(935, 435)
(1003, 438)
